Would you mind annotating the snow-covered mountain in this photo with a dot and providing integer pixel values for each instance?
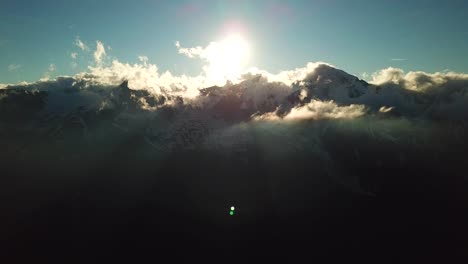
(76, 119)
(328, 83)
(68, 98)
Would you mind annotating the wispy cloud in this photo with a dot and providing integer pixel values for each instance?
(100, 52)
(80, 44)
(49, 72)
(143, 59)
(398, 59)
(74, 55)
(13, 67)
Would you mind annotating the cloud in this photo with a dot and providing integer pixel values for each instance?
(100, 52)
(13, 67)
(213, 68)
(316, 113)
(312, 119)
(317, 110)
(74, 55)
(398, 59)
(325, 110)
(418, 80)
(289, 77)
(52, 67)
(365, 75)
(47, 75)
(224, 60)
(144, 76)
(387, 75)
(143, 59)
(440, 95)
(80, 44)
(190, 52)
(316, 91)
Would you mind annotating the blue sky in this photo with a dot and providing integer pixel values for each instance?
(356, 36)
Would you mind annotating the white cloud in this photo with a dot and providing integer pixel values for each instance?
(317, 110)
(143, 59)
(417, 80)
(144, 76)
(80, 44)
(393, 75)
(325, 110)
(398, 59)
(442, 95)
(225, 60)
(290, 76)
(100, 52)
(191, 52)
(47, 75)
(13, 67)
(74, 55)
(215, 70)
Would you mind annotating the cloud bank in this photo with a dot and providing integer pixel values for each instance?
(334, 121)
(316, 110)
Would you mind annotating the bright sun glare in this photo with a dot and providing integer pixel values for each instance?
(228, 58)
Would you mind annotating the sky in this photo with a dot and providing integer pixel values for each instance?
(49, 38)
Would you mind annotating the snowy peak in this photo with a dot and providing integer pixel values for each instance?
(328, 83)
(133, 100)
(256, 95)
(326, 74)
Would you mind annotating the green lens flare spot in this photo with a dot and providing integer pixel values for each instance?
(231, 213)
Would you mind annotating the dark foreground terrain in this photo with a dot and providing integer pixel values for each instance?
(123, 207)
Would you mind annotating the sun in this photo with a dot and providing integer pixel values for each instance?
(228, 58)
(235, 54)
